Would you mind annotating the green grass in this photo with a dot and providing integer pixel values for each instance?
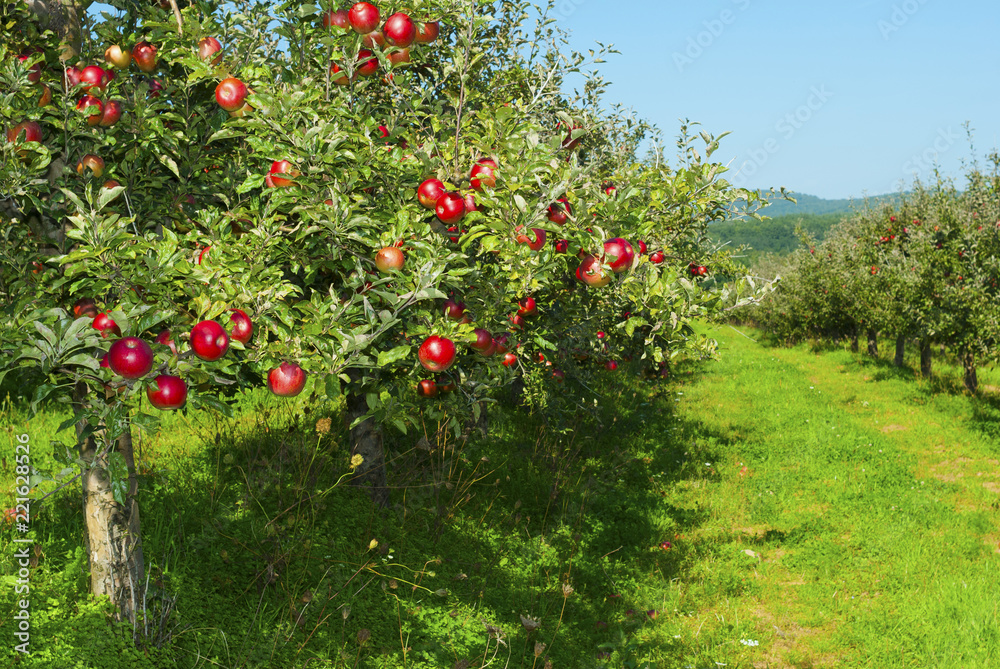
(835, 511)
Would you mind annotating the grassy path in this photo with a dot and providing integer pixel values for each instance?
(854, 514)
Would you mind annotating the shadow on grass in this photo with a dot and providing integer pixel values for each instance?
(272, 563)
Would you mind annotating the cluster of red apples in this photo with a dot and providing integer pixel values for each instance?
(451, 206)
(92, 81)
(398, 31)
(133, 358)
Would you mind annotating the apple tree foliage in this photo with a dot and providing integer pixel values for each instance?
(186, 220)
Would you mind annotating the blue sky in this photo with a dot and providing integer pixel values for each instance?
(835, 99)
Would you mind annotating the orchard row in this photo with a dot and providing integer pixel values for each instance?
(923, 269)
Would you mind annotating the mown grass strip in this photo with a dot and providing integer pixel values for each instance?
(854, 514)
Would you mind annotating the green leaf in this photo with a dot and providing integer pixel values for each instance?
(386, 358)
(210, 402)
(332, 386)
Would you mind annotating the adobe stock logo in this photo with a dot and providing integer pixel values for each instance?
(697, 44)
(787, 126)
(901, 15)
(566, 8)
(925, 162)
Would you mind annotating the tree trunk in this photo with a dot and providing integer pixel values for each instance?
(854, 340)
(366, 441)
(969, 363)
(900, 351)
(63, 18)
(925, 358)
(112, 536)
(872, 343)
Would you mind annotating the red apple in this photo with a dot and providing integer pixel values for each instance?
(72, 75)
(427, 388)
(165, 339)
(437, 354)
(558, 375)
(106, 326)
(90, 162)
(399, 30)
(569, 142)
(112, 114)
(427, 32)
(130, 357)
(559, 210)
(208, 47)
(242, 326)
(144, 55)
(509, 360)
(429, 192)
(398, 56)
(170, 393)
(46, 97)
(389, 259)
(92, 77)
(642, 248)
(286, 380)
(501, 342)
(154, 88)
(104, 361)
(367, 64)
(336, 18)
(282, 167)
(538, 242)
(526, 306)
(619, 254)
(454, 310)
(656, 257)
(85, 307)
(29, 131)
(470, 203)
(562, 245)
(209, 341)
(484, 341)
(610, 191)
(339, 77)
(450, 208)
(483, 174)
(374, 39)
(611, 365)
(231, 94)
(591, 273)
(363, 17)
(92, 108)
(36, 69)
(516, 321)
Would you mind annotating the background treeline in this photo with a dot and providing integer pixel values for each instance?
(775, 235)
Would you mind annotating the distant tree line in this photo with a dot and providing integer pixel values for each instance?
(771, 236)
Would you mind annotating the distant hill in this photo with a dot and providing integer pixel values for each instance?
(810, 204)
(777, 235)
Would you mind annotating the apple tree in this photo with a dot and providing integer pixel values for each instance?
(408, 215)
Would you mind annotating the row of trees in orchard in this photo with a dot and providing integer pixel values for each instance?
(924, 270)
(396, 204)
